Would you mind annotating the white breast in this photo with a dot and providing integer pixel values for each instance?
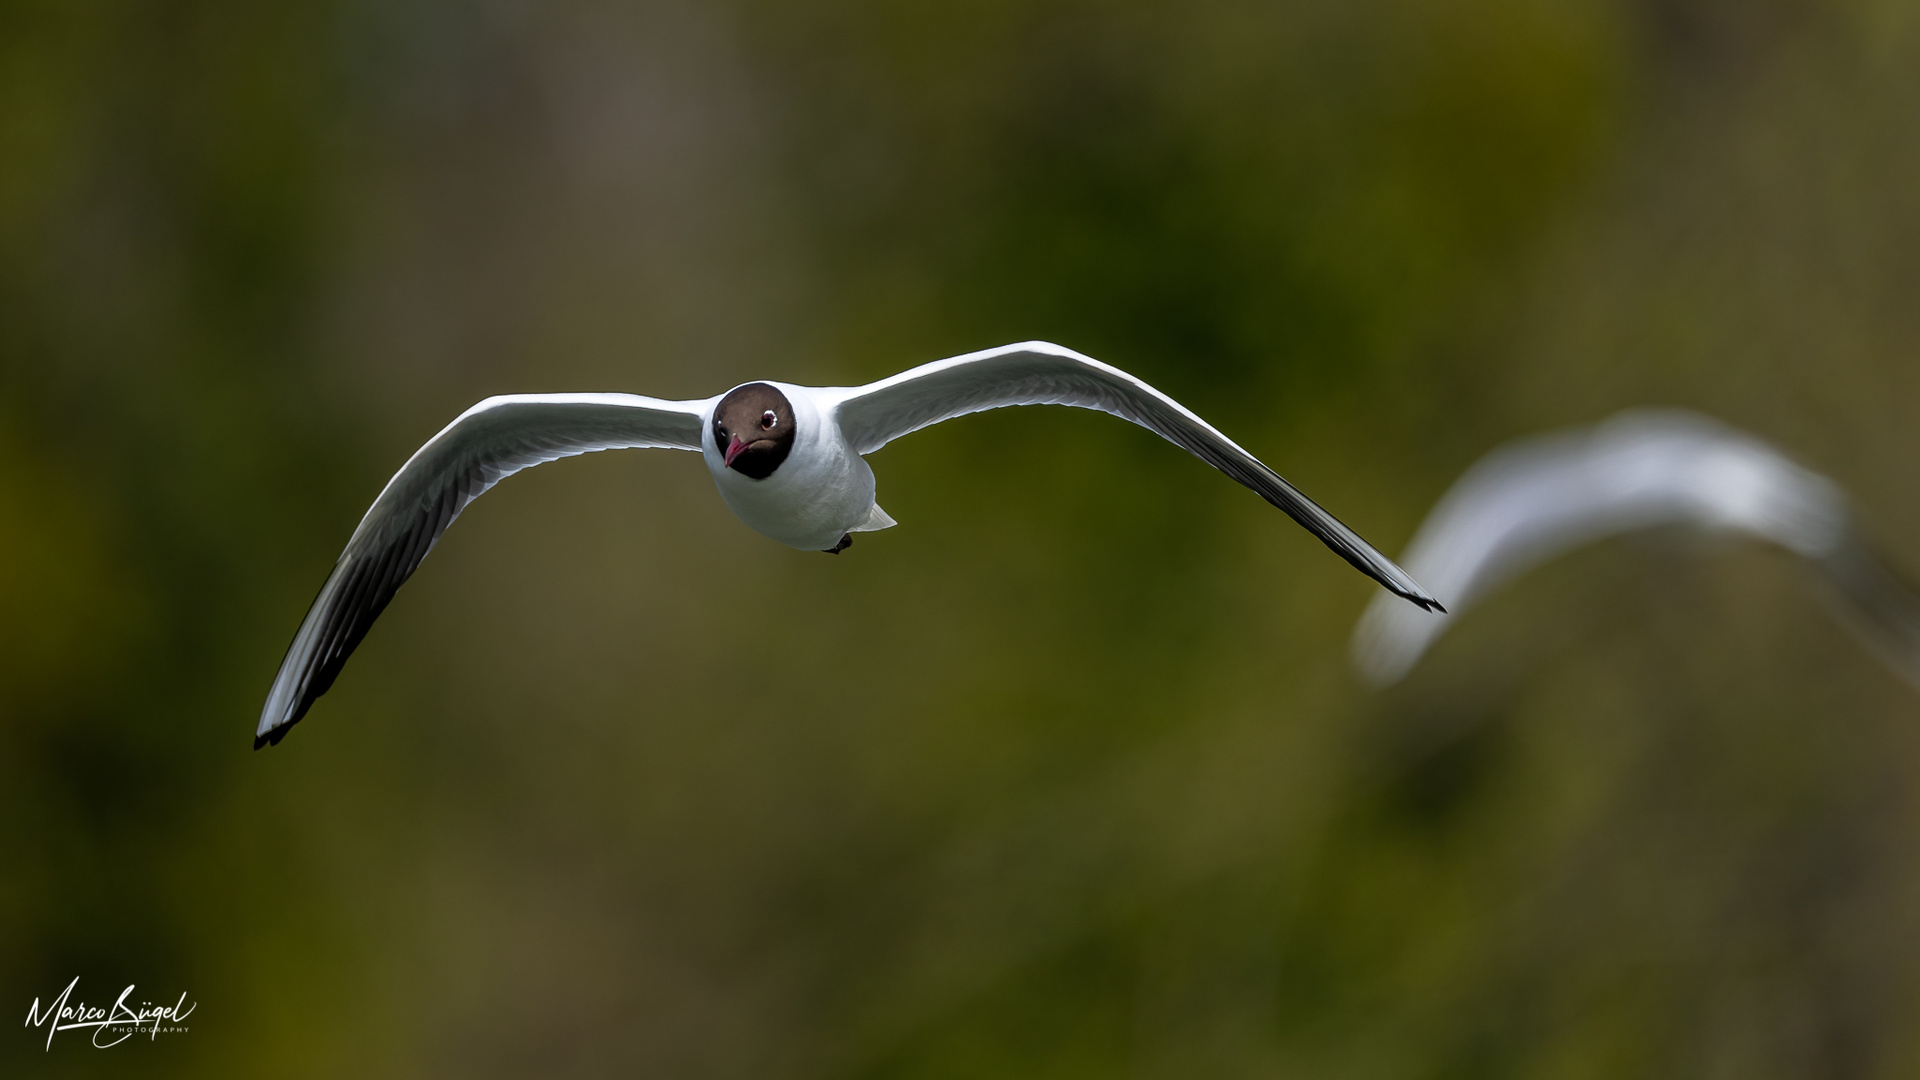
(820, 493)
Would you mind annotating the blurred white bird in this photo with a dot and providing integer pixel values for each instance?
(788, 460)
(1536, 498)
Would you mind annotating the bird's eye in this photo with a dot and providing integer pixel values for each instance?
(768, 419)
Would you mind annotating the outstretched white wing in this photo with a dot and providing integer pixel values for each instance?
(1038, 373)
(487, 443)
(1534, 499)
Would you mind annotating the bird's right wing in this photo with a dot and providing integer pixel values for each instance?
(484, 445)
(1040, 373)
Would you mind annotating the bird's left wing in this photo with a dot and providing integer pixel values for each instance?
(1039, 373)
(1877, 604)
(1534, 499)
(484, 445)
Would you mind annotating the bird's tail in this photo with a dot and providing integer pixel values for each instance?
(876, 520)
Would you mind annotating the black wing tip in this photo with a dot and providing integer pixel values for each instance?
(273, 737)
(1422, 601)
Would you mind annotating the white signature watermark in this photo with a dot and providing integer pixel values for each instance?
(116, 1024)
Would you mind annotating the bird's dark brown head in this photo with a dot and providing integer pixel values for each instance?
(753, 427)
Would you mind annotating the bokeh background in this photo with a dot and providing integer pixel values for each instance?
(1067, 775)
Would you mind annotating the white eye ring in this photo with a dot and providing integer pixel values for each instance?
(768, 419)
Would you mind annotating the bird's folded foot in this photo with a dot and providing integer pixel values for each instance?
(845, 543)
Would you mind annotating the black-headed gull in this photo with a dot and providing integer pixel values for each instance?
(1536, 498)
(787, 460)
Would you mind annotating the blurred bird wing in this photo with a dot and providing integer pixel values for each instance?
(484, 445)
(1537, 498)
(1039, 373)
(1875, 603)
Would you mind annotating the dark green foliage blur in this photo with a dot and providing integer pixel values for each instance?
(1066, 776)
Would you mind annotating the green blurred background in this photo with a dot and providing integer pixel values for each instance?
(1066, 776)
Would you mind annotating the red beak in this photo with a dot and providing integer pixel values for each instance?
(734, 449)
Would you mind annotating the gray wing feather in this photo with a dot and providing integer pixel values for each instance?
(1039, 373)
(484, 445)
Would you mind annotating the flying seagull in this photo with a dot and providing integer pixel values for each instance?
(788, 461)
(1534, 499)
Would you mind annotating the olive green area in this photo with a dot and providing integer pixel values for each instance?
(1066, 776)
